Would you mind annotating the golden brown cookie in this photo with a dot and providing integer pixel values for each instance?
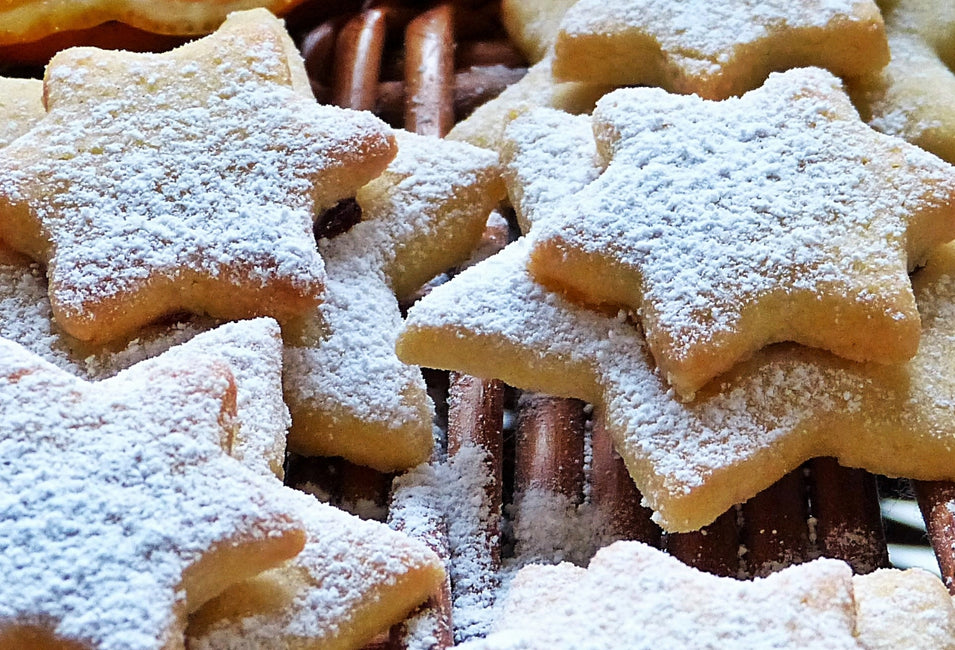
(716, 50)
(533, 25)
(726, 226)
(349, 394)
(912, 97)
(122, 513)
(252, 349)
(903, 609)
(743, 431)
(147, 189)
(485, 126)
(353, 580)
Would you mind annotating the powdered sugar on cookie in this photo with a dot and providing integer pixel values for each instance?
(730, 225)
(122, 504)
(424, 214)
(158, 182)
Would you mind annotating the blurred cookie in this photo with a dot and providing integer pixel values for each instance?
(21, 106)
(716, 50)
(913, 97)
(533, 26)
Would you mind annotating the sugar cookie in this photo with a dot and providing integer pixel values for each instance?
(730, 225)
(912, 97)
(354, 579)
(146, 190)
(903, 609)
(635, 596)
(716, 50)
(82, 559)
(252, 349)
(349, 394)
(691, 461)
(485, 126)
(533, 25)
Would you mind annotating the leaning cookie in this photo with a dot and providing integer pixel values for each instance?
(352, 580)
(146, 191)
(348, 393)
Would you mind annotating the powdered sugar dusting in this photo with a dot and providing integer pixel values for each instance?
(453, 489)
(251, 348)
(347, 564)
(635, 596)
(97, 466)
(708, 210)
(536, 149)
(422, 215)
(166, 171)
(754, 424)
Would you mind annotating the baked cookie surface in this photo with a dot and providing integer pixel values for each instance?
(912, 96)
(349, 394)
(730, 225)
(635, 596)
(30, 20)
(83, 559)
(743, 431)
(147, 189)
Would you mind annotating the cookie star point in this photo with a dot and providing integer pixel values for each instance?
(731, 225)
(147, 191)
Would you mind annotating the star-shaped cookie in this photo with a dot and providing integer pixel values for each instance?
(348, 393)
(632, 595)
(730, 225)
(119, 512)
(182, 181)
(716, 49)
(913, 96)
(743, 431)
